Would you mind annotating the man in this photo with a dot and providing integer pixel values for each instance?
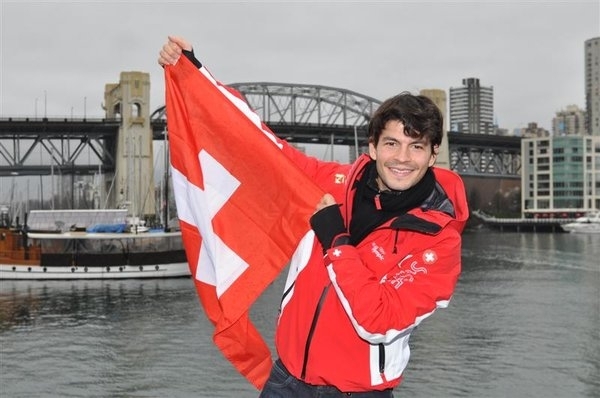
(386, 255)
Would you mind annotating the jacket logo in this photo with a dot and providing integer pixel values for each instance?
(377, 251)
(429, 256)
(340, 178)
(406, 275)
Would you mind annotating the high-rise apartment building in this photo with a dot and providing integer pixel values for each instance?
(570, 121)
(472, 108)
(592, 85)
(439, 98)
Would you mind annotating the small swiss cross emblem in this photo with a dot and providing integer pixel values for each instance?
(337, 253)
(340, 178)
(430, 257)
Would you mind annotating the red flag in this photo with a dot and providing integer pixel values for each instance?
(243, 207)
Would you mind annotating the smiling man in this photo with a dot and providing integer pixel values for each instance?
(385, 255)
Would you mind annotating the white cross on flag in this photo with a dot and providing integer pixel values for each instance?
(243, 207)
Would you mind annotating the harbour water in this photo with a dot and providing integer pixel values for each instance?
(524, 322)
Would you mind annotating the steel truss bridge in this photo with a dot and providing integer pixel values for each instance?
(300, 114)
(481, 155)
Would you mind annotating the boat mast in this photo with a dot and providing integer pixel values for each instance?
(165, 197)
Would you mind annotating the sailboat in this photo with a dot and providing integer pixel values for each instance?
(88, 244)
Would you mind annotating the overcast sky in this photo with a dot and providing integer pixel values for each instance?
(58, 55)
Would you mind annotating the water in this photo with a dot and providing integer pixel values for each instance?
(524, 322)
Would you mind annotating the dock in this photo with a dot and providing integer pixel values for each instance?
(522, 224)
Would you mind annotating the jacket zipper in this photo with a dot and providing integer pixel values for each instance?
(395, 249)
(381, 358)
(312, 329)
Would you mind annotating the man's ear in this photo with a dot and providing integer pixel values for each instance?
(434, 154)
(372, 150)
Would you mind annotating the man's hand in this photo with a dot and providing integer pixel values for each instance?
(326, 200)
(171, 51)
(328, 223)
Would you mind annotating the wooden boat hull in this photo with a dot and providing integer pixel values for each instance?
(83, 255)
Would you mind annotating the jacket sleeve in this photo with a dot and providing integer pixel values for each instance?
(381, 309)
(322, 172)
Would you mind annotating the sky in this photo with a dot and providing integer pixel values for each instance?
(57, 56)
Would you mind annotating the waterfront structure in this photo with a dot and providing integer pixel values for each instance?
(569, 121)
(129, 102)
(472, 108)
(438, 97)
(560, 176)
(592, 85)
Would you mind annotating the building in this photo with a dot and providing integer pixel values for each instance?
(570, 121)
(560, 176)
(439, 98)
(532, 131)
(472, 108)
(592, 86)
(501, 131)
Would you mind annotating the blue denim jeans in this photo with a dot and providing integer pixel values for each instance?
(281, 384)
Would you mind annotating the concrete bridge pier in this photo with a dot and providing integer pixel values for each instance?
(129, 102)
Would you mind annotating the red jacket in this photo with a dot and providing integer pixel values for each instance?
(345, 319)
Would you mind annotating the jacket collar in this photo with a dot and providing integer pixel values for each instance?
(419, 219)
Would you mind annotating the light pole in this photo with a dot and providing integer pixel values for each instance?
(355, 142)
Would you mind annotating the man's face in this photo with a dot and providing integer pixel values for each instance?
(401, 161)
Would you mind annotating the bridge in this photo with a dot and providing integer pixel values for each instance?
(482, 155)
(297, 113)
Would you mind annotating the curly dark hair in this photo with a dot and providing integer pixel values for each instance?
(420, 115)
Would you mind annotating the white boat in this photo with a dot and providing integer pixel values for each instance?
(66, 244)
(588, 224)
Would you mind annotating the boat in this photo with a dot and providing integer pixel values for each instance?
(88, 244)
(587, 224)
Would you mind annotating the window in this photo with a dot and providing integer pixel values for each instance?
(136, 110)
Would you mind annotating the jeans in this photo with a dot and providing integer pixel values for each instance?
(281, 384)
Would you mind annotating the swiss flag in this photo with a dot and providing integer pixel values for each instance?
(243, 207)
